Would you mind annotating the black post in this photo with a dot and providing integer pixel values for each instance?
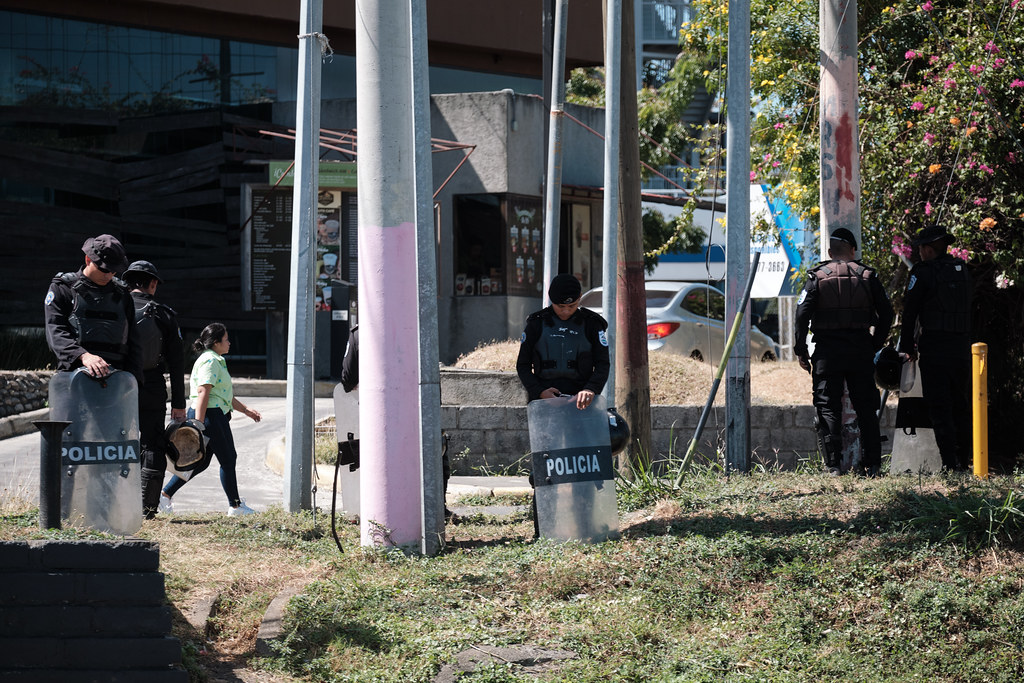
(50, 432)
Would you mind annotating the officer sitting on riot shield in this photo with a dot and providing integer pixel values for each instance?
(90, 315)
(160, 339)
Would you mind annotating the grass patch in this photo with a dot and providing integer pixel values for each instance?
(770, 576)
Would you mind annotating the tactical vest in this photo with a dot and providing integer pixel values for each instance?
(99, 318)
(844, 297)
(563, 348)
(947, 308)
(149, 332)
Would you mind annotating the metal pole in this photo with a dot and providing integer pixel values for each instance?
(737, 388)
(298, 474)
(610, 240)
(50, 437)
(979, 357)
(553, 186)
(389, 354)
(432, 535)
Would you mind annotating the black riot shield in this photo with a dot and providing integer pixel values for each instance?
(101, 485)
(346, 422)
(572, 470)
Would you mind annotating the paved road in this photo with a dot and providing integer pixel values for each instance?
(257, 484)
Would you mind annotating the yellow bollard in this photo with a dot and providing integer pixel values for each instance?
(979, 380)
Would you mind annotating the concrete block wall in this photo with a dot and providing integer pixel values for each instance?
(495, 439)
(85, 611)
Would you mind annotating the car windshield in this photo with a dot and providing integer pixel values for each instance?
(659, 298)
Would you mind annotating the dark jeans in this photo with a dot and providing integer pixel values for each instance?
(946, 385)
(222, 445)
(857, 372)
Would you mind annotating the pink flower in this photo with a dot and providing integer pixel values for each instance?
(927, 208)
(931, 110)
(917, 106)
(1017, 83)
(986, 169)
(928, 138)
(753, 175)
(949, 84)
(991, 47)
(980, 200)
(775, 164)
(933, 59)
(975, 69)
(901, 248)
(1011, 157)
(952, 65)
(998, 63)
(910, 54)
(780, 124)
(960, 252)
(928, 6)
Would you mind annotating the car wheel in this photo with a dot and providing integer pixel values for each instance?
(768, 357)
(696, 355)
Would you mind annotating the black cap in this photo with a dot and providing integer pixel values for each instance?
(844, 235)
(143, 267)
(933, 233)
(106, 252)
(564, 289)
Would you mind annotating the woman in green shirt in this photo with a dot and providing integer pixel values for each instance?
(213, 399)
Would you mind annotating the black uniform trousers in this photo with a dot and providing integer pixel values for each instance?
(946, 386)
(152, 425)
(830, 371)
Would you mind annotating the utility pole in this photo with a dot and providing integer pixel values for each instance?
(737, 243)
(633, 385)
(610, 238)
(392, 450)
(298, 475)
(840, 149)
(553, 180)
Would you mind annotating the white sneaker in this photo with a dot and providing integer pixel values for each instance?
(241, 510)
(166, 505)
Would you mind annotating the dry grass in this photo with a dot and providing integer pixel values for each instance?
(676, 379)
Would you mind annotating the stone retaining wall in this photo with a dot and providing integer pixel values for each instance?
(22, 390)
(495, 439)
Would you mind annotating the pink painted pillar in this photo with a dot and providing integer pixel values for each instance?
(389, 423)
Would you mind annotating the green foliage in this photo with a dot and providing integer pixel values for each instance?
(663, 236)
(25, 349)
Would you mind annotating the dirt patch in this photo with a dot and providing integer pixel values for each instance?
(677, 379)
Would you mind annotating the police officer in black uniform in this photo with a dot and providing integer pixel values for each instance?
(156, 327)
(938, 301)
(841, 303)
(89, 314)
(564, 348)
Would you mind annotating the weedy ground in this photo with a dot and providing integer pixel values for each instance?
(771, 576)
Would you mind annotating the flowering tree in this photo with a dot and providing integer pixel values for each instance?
(940, 121)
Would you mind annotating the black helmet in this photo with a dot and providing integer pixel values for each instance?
(888, 369)
(618, 430)
(186, 444)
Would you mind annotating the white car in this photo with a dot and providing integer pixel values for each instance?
(689, 318)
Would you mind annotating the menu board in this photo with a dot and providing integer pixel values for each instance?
(270, 251)
(271, 246)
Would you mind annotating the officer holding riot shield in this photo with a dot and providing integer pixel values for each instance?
(156, 327)
(936, 327)
(563, 364)
(90, 327)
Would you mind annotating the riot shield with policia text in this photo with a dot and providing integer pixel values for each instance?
(101, 483)
(573, 472)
